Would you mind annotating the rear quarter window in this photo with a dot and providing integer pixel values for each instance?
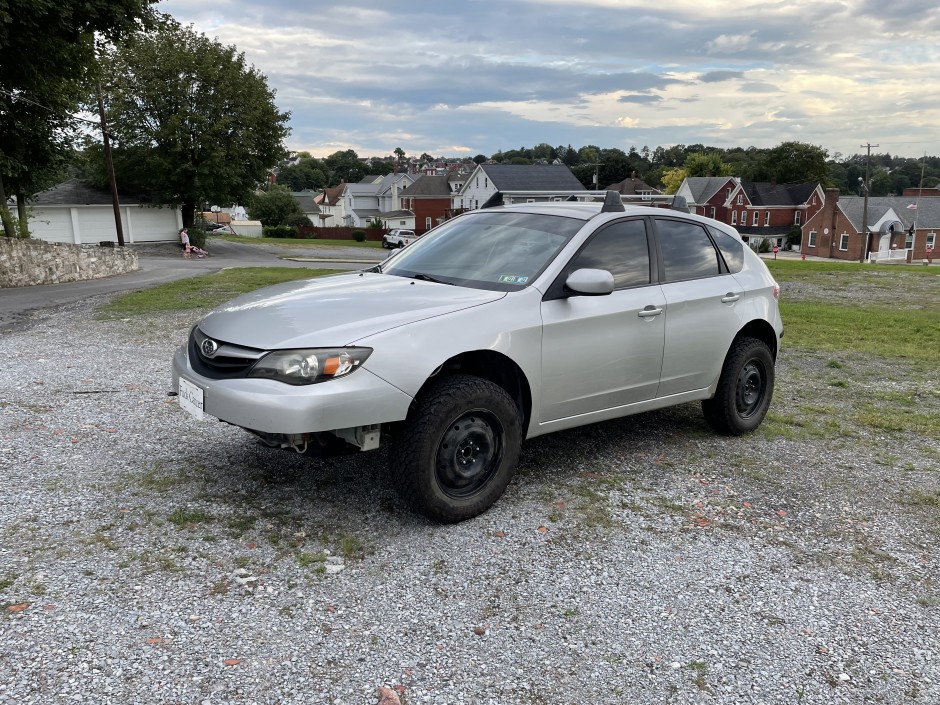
(732, 249)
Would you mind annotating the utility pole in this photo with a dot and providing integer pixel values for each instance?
(863, 255)
(110, 164)
(597, 186)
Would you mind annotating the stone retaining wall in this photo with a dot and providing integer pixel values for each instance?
(26, 262)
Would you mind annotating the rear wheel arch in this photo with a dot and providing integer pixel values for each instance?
(761, 330)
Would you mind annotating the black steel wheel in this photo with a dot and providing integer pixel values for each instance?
(744, 389)
(458, 450)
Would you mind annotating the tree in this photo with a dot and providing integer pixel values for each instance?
(400, 153)
(479, 159)
(344, 166)
(305, 174)
(793, 162)
(273, 207)
(45, 48)
(191, 121)
(673, 178)
(706, 164)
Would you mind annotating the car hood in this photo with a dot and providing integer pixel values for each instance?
(334, 310)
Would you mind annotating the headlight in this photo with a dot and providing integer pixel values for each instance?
(309, 366)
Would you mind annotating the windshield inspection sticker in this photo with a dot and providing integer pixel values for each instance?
(512, 279)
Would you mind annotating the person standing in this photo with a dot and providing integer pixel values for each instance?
(184, 238)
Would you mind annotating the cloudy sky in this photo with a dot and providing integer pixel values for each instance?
(467, 77)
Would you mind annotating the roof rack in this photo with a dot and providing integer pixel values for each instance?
(613, 200)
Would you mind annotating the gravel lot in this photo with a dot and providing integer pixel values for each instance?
(147, 558)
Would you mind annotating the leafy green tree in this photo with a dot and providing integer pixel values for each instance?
(45, 49)
(673, 178)
(273, 207)
(307, 173)
(344, 166)
(793, 162)
(400, 153)
(479, 159)
(706, 164)
(192, 122)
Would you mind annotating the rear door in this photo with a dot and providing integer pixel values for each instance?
(601, 352)
(701, 305)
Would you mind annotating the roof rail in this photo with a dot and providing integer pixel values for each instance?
(585, 196)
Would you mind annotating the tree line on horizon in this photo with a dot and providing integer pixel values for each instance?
(662, 167)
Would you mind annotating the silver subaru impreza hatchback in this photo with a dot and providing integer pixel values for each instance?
(501, 324)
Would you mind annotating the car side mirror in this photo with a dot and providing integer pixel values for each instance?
(590, 282)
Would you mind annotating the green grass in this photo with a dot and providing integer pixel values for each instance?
(296, 242)
(204, 291)
(821, 272)
(872, 330)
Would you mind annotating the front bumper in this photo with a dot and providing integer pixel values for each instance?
(359, 399)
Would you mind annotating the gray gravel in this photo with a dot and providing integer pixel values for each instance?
(147, 558)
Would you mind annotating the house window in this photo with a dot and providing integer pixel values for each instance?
(766, 218)
(909, 240)
(713, 212)
(740, 199)
(756, 217)
(743, 217)
(734, 217)
(844, 242)
(812, 238)
(796, 218)
(427, 223)
(486, 182)
(931, 237)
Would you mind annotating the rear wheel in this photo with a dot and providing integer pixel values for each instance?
(458, 449)
(744, 389)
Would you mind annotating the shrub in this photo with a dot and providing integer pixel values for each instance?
(359, 235)
(764, 245)
(279, 231)
(298, 219)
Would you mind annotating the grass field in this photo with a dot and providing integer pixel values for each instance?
(888, 311)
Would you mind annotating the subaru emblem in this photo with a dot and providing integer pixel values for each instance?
(209, 347)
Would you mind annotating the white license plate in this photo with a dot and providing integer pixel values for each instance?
(192, 398)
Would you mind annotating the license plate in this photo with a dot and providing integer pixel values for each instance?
(192, 398)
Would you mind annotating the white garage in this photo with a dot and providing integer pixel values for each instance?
(75, 213)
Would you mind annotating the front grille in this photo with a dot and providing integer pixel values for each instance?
(226, 362)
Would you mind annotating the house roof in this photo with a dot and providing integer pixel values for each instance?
(306, 201)
(332, 196)
(632, 186)
(428, 186)
(76, 192)
(397, 214)
(774, 194)
(927, 211)
(703, 188)
(532, 177)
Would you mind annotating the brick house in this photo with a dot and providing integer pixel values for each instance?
(708, 195)
(768, 210)
(899, 228)
(429, 198)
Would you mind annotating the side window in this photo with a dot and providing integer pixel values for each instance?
(687, 252)
(621, 249)
(731, 249)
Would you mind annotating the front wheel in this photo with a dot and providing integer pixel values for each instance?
(385, 244)
(459, 448)
(744, 389)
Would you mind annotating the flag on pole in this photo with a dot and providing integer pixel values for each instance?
(912, 206)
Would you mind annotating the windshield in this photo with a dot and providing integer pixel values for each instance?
(498, 251)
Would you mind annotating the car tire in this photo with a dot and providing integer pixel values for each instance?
(385, 244)
(401, 243)
(458, 449)
(744, 389)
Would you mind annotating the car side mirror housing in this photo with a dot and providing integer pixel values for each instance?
(590, 282)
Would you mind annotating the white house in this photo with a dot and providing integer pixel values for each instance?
(538, 182)
(75, 213)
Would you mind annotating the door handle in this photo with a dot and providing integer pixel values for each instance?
(730, 298)
(649, 312)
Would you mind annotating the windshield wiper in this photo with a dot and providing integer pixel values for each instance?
(428, 278)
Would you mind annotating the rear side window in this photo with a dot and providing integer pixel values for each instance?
(731, 249)
(621, 249)
(687, 251)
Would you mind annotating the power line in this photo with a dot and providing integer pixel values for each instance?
(55, 112)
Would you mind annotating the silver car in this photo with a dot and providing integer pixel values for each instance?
(501, 324)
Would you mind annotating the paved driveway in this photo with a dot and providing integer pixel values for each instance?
(164, 262)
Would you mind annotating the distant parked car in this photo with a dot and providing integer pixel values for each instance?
(398, 238)
(499, 325)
